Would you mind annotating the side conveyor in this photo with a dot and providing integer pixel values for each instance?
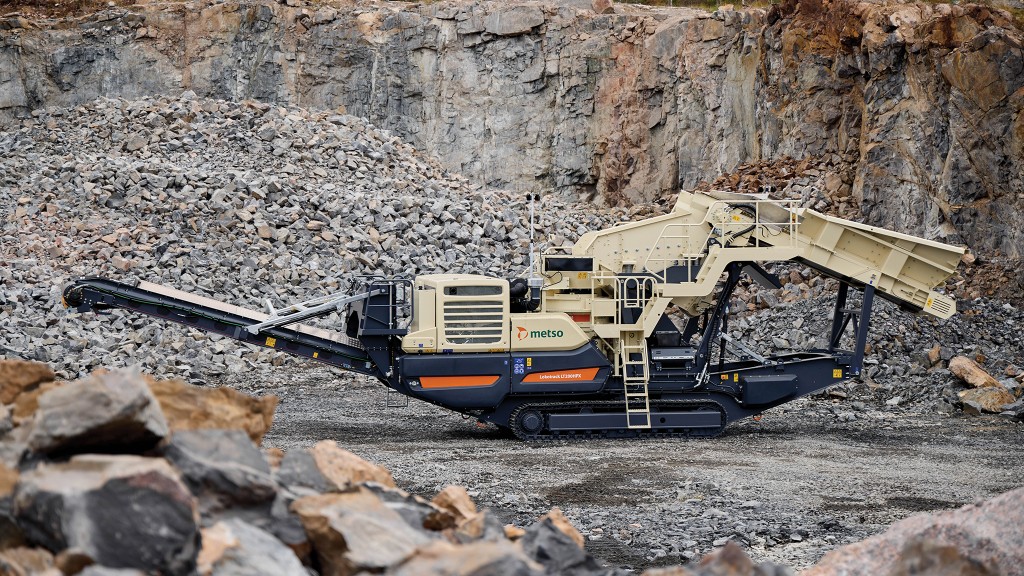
(221, 318)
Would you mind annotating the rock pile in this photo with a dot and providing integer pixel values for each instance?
(107, 472)
(909, 357)
(241, 202)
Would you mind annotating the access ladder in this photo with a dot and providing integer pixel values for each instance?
(635, 377)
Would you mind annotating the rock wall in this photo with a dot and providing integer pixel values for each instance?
(914, 109)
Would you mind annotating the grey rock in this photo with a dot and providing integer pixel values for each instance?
(557, 552)
(221, 467)
(121, 511)
(110, 412)
(252, 551)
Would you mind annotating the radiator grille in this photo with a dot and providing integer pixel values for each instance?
(474, 321)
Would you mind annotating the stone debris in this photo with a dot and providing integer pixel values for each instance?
(208, 501)
(209, 206)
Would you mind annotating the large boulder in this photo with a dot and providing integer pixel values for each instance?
(481, 526)
(221, 467)
(236, 548)
(106, 412)
(355, 531)
(188, 407)
(17, 376)
(988, 399)
(121, 511)
(483, 557)
(326, 467)
(970, 372)
(985, 538)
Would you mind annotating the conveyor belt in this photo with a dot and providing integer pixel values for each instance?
(221, 318)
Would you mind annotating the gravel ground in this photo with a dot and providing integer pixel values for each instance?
(789, 488)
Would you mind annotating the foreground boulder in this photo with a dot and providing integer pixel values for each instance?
(27, 562)
(107, 412)
(119, 511)
(326, 467)
(10, 534)
(234, 547)
(17, 376)
(221, 467)
(483, 557)
(355, 531)
(983, 539)
(188, 407)
(456, 501)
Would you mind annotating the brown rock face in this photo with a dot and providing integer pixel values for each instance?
(986, 538)
(917, 107)
(990, 398)
(968, 370)
(17, 376)
(188, 407)
(354, 531)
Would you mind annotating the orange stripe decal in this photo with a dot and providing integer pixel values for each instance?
(580, 318)
(576, 375)
(456, 381)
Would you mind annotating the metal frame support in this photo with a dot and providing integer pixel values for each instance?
(857, 363)
(329, 305)
(713, 325)
(861, 319)
(839, 317)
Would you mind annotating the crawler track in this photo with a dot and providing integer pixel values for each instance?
(525, 425)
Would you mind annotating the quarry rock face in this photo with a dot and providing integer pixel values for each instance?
(913, 108)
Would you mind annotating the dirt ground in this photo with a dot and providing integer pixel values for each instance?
(789, 488)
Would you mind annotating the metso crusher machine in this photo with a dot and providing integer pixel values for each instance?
(583, 347)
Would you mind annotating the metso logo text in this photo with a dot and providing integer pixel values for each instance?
(523, 333)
